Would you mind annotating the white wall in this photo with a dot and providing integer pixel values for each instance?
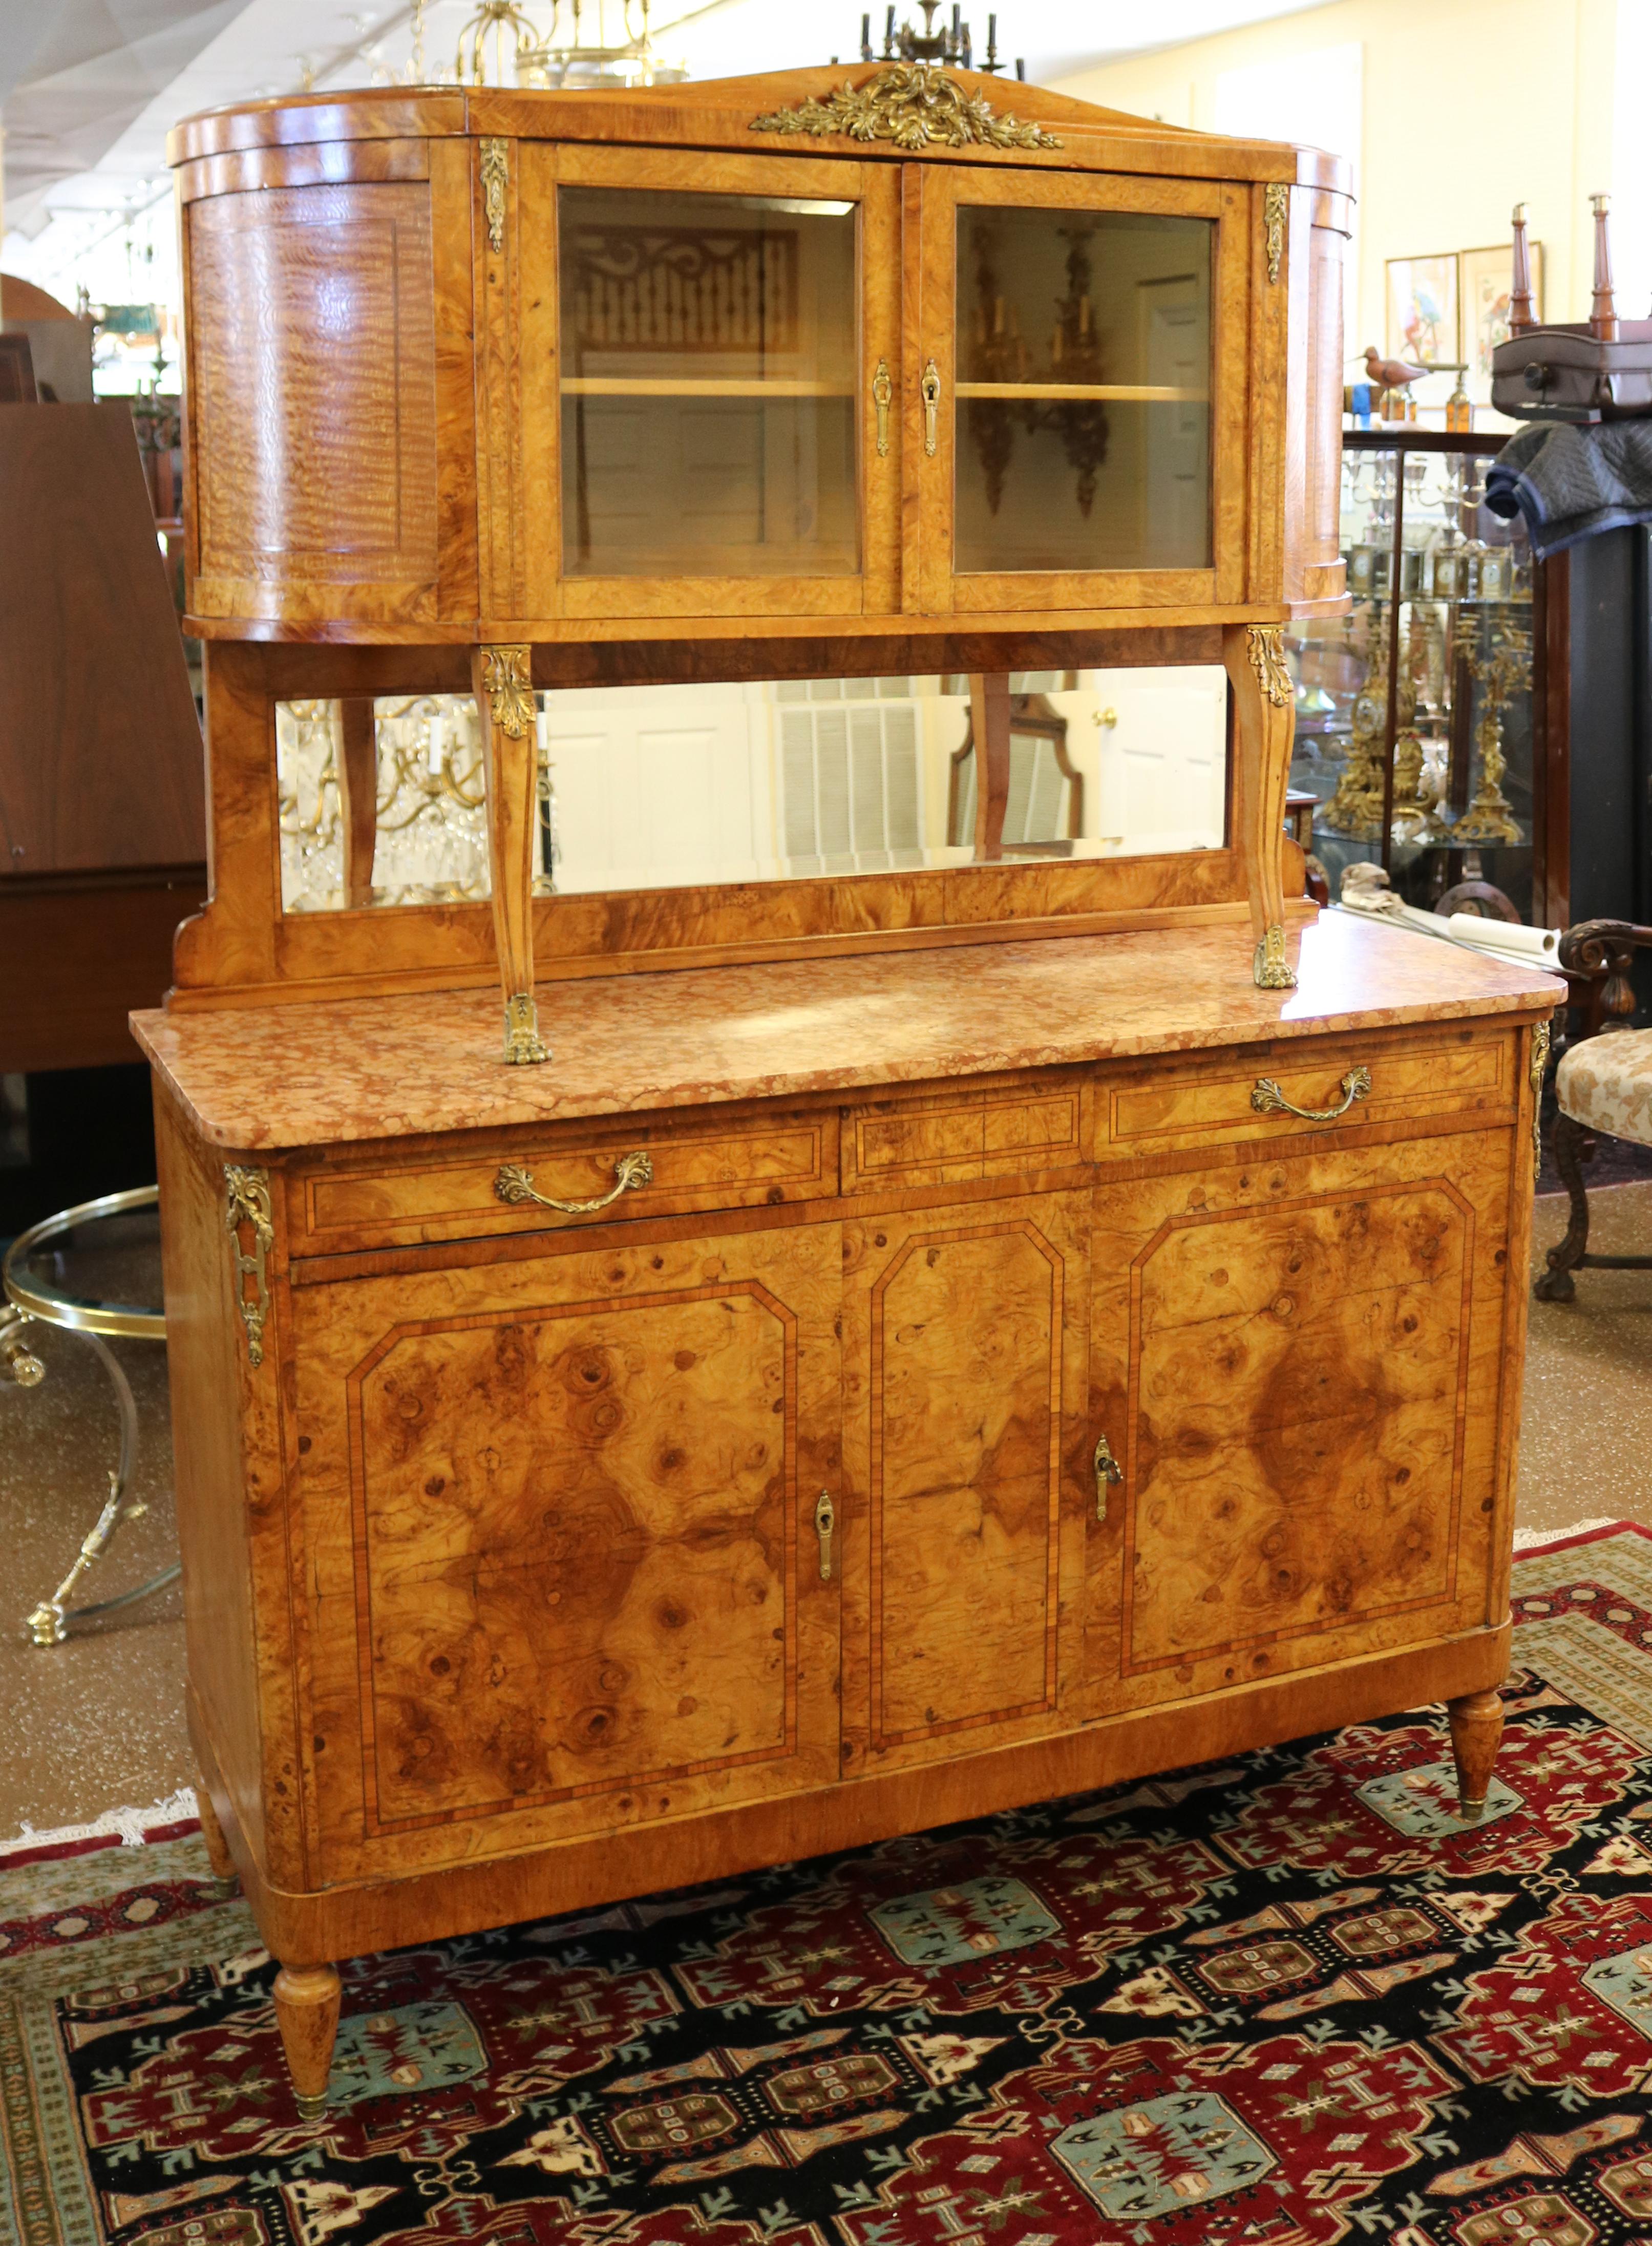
(1451, 111)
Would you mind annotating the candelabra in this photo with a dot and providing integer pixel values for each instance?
(1500, 673)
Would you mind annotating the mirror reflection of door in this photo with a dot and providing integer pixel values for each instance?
(1044, 792)
(660, 788)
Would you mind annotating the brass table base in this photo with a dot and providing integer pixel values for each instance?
(27, 1298)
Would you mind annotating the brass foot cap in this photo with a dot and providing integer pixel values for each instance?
(311, 2109)
(1471, 1811)
(221, 1890)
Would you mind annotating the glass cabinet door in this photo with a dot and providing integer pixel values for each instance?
(1078, 448)
(724, 380)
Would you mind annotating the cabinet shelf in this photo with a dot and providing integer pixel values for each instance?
(1153, 393)
(625, 386)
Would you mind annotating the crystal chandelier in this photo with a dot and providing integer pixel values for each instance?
(590, 43)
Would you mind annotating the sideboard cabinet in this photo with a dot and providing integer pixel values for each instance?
(953, 1287)
(908, 1441)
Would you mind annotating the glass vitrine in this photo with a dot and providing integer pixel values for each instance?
(1420, 715)
(1079, 445)
(707, 384)
(1082, 390)
(725, 359)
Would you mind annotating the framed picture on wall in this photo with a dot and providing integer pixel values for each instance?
(1483, 296)
(1423, 324)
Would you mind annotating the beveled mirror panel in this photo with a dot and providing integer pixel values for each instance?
(647, 787)
(1082, 390)
(708, 354)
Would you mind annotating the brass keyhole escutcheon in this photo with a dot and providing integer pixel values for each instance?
(929, 390)
(882, 398)
(825, 1520)
(1107, 1470)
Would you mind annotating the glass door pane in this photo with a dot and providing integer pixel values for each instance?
(1083, 388)
(709, 375)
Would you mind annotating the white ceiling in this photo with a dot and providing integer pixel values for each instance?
(87, 118)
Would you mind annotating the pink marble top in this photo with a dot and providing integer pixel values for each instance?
(383, 1068)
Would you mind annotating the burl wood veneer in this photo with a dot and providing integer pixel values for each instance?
(970, 1332)
(541, 1559)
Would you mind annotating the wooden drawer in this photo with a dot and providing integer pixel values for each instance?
(1160, 1108)
(943, 1139)
(355, 1204)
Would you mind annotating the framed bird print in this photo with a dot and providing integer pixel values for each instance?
(1422, 325)
(1483, 296)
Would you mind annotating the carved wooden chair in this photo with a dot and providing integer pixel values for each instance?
(1603, 1084)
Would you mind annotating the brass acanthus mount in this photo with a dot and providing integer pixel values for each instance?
(912, 106)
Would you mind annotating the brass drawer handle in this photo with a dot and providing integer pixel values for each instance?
(1266, 1097)
(825, 1520)
(929, 390)
(1107, 1470)
(882, 398)
(514, 1183)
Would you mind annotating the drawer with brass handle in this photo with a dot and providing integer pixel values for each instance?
(541, 1180)
(1283, 1089)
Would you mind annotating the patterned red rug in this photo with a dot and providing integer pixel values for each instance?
(1279, 2003)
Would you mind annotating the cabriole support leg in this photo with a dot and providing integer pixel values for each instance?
(1265, 726)
(1477, 1732)
(502, 681)
(307, 2014)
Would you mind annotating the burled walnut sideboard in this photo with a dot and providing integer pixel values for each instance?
(953, 1287)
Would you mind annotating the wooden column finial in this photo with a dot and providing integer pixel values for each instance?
(1603, 311)
(1521, 318)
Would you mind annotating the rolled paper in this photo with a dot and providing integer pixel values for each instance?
(1509, 936)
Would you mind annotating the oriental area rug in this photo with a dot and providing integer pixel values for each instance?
(1280, 2002)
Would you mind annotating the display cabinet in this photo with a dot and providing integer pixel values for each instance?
(1018, 1306)
(1432, 723)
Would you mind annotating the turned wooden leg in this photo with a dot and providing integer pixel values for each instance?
(226, 1880)
(1477, 1729)
(1264, 727)
(502, 679)
(1557, 1284)
(307, 2014)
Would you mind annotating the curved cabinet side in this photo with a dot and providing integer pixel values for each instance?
(332, 421)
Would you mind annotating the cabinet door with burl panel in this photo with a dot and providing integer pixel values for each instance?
(1299, 1361)
(964, 1437)
(558, 1541)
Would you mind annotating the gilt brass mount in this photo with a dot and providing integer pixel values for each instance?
(1270, 970)
(1540, 1039)
(515, 1183)
(825, 1521)
(914, 105)
(882, 398)
(508, 680)
(1276, 210)
(524, 1047)
(1268, 1098)
(1108, 1471)
(1265, 645)
(930, 392)
(496, 172)
(247, 1202)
